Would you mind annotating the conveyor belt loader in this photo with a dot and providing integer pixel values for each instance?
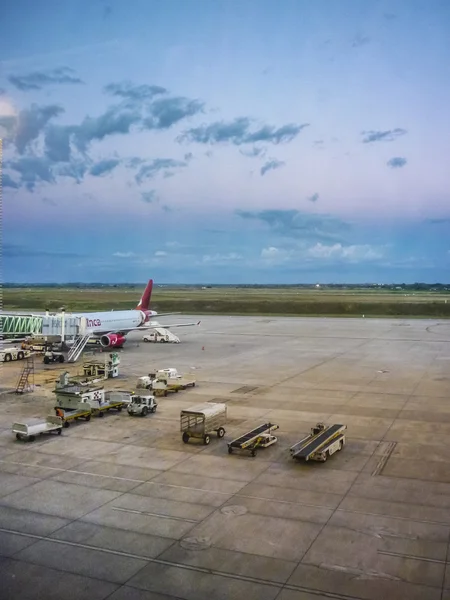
(322, 442)
(260, 437)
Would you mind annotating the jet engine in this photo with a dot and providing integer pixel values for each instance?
(112, 340)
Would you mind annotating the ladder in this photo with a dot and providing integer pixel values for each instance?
(78, 347)
(24, 383)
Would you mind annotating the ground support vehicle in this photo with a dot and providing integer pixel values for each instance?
(108, 402)
(13, 353)
(35, 427)
(141, 405)
(200, 420)
(161, 335)
(260, 437)
(83, 411)
(97, 370)
(165, 380)
(51, 356)
(322, 442)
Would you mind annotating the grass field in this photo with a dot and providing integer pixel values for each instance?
(237, 301)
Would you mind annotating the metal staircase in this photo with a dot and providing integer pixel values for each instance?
(26, 379)
(79, 345)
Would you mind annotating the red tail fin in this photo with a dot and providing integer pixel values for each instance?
(144, 302)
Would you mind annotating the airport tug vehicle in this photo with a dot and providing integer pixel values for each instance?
(322, 442)
(141, 405)
(260, 437)
(200, 420)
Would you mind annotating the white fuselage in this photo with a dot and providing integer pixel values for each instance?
(112, 321)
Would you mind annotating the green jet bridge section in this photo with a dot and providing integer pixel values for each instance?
(19, 326)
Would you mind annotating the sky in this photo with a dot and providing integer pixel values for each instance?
(226, 141)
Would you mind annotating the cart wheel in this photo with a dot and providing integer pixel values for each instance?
(206, 440)
(253, 453)
(119, 408)
(59, 431)
(230, 450)
(153, 409)
(101, 413)
(31, 438)
(66, 424)
(88, 418)
(185, 437)
(220, 432)
(18, 436)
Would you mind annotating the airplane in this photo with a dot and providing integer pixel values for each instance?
(110, 328)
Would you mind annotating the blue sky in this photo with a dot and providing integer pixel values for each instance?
(226, 142)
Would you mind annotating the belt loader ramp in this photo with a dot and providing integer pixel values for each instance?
(322, 442)
(260, 437)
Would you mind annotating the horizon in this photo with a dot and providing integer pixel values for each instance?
(297, 141)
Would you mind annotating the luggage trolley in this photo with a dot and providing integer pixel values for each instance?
(200, 420)
(322, 442)
(260, 437)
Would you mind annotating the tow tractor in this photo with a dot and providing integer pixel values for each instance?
(141, 405)
(322, 442)
(260, 437)
(13, 353)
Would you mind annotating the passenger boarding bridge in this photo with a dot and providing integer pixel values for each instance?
(62, 326)
(21, 325)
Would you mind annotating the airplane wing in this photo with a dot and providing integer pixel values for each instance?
(154, 325)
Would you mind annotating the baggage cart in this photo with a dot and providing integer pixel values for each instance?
(35, 427)
(201, 420)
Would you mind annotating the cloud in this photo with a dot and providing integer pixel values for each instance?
(7, 181)
(57, 142)
(149, 171)
(124, 254)
(441, 221)
(254, 152)
(29, 124)
(165, 112)
(221, 258)
(313, 198)
(32, 169)
(360, 40)
(296, 224)
(104, 167)
(382, 136)
(49, 201)
(271, 165)
(136, 93)
(149, 197)
(160, 253)
(238, 132)
(19, 251)
(335, 253)
(352, 253)
(116, 120)
(396, 162)
(38, 79)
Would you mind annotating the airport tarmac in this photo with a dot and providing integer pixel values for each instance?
(121, 508)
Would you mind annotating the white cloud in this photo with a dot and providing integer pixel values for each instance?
(160, 253)
(221, 258)
(353, 253)
(124, 254)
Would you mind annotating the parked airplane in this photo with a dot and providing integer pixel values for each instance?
(112, 327)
